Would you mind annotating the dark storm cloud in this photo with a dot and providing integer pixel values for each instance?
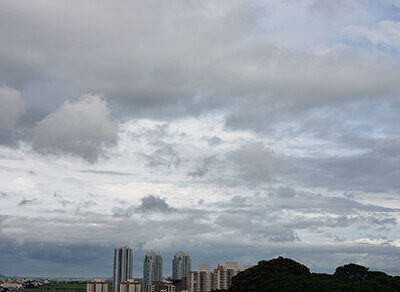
(47, 257)
(149, 204)
(153, 203)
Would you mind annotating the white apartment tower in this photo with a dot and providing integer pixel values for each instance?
(123, 262)
(181, 266)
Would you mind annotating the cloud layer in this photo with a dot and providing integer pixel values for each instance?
(234, 130)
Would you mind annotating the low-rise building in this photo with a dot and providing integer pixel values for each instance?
(223, 274)
(201, 280)
(97, 285)
(130, 286)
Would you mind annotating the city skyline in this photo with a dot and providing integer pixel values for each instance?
(231, 130)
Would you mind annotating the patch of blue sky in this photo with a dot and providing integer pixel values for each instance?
(361, 46)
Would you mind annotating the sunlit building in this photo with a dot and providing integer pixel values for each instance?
(97, 285)
(130, 286)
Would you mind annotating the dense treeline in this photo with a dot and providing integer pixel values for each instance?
(73, 286)
(283, 274)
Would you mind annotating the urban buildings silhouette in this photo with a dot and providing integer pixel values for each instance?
(183, 279)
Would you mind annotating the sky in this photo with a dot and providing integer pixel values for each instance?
(232, 130)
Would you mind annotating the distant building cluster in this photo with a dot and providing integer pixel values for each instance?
(205, 280)
(15, 285)
(183, 279)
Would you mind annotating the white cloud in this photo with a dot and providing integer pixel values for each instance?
(81, 128)
(386, 33)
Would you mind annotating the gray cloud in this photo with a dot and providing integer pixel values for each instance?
(11, 107)
(11, 110)
(157, 80)
(256, 163)
(149, 204)
(373, 171)
(207, 164)
(81, 128)
(166, 156)
(153, 203)
(212, 141)
(104, 172)
(26, 202)
(266, 142)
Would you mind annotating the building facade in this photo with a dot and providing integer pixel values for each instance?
(97, 286)
(201, 280)
(130, 286)
(181, 266)
(205, 281)
(152, 269)
(123, 262)
(169, 286)
(223, 274)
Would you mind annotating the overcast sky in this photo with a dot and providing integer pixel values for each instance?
(233, 130)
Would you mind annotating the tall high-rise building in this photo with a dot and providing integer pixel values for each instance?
(123, 262)
(181, 266)
(152, 269)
